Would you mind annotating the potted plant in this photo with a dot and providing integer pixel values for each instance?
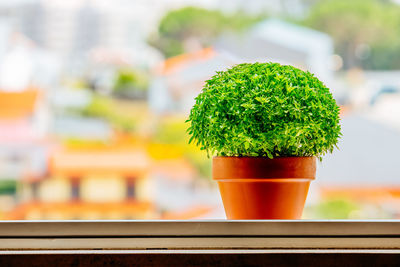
(266, 124)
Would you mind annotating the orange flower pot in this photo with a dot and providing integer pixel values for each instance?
(263, 188)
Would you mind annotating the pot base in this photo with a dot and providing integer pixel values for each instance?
(247, 199)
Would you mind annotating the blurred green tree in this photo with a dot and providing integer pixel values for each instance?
(8, 187)
(366, 32)
(198, 25)
(130, 83)
(104, 107)
(340, 208)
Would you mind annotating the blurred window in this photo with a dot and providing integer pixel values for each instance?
(75, 188)
(35, 190)
(130, 188)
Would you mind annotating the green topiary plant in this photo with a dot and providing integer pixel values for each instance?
(265, 110)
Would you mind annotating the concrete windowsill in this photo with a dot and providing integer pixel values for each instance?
(157, 242)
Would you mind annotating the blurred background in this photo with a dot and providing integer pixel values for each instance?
(94, 95)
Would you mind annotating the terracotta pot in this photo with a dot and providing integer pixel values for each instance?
(263, 188)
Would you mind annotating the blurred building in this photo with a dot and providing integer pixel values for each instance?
(24, 113)
(115, 184)
(97, 184)
(22, 140)
(386, 108)
(23, 145)
(72, 28)
(278, 41)
(364, 169)
(175, 180)
(178, 80)
(257, 7)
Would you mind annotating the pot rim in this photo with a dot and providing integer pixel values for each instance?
(229, 168)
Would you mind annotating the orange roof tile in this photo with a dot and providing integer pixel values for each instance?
(78, 209)
(175, 169)
(191, 213)
(176, 63)
(80, 163)
(344, 110)
(372, 193)
(14, 105)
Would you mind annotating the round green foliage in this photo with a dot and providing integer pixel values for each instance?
(265, 110)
